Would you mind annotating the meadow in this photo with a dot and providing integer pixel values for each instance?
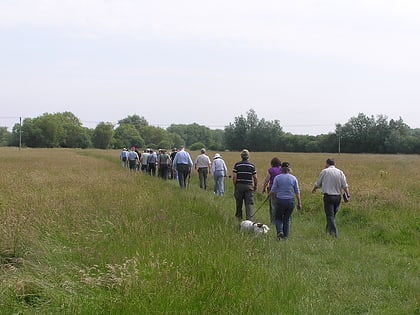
(81, 235)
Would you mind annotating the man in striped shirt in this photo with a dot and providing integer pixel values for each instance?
(245, 181)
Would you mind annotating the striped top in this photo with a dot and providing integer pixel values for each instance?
(244, 170)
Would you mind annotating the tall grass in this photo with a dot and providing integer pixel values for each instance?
(81, 235)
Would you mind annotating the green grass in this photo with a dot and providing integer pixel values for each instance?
(81, 235)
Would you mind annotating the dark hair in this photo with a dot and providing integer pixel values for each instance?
(275, 162)
(285, 167)
(330, 162)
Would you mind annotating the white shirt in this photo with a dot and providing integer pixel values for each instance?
(219, 165)
(331, 180)
(202, 161)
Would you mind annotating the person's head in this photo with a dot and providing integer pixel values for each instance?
(245, 154)
(132, 148)
(275, 162)
(203, 151)
(285, 167)
(330, 162)
(217, 156)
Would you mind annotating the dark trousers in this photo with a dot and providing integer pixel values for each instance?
(244, 193)
(183, 171)
(202, 176)
(331, 206)
(163, 171)
(151, 169)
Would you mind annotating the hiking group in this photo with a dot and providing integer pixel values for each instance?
(280, 184)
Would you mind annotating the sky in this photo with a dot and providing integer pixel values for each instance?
(310, 64)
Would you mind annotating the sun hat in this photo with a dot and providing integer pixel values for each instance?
(216, 156)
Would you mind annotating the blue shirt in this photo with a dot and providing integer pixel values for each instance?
(285, 186)
(182, 157)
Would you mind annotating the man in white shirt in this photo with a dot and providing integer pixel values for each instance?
(202, 166)
(333, 182)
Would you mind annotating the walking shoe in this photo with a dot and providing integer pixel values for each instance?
(280, 235)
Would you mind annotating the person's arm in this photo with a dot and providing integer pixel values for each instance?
(266, 181)
(255, 179)
(299, 202)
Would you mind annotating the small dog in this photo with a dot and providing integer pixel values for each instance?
(256, 227)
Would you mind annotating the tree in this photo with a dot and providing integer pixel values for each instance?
(135, 120)
(126, 135)
(252, 133)
(192, 133)
(4, 136)
(154, 135)
(102, 135)
(357, 134)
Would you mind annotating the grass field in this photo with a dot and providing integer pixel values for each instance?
(81, 235)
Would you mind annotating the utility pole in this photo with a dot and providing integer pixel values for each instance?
(20, 133)
(338, 130)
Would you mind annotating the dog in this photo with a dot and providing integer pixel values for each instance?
(256, 227)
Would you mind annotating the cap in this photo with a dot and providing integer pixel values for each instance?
(216, 156)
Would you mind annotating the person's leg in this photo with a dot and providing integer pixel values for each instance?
(181, 178)
(239, 201)
(249, 202)
(218, 183)
(330, 211)
(205, 173)
(278, 221)
(289, 205)
(222, 185)
(201, 178)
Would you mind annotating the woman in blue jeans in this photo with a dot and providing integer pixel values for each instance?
(285, 188)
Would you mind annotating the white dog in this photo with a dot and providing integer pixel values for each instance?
(257, 228)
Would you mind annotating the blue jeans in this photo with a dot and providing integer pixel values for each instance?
(283, 212)
(219, 183)
(331, 206)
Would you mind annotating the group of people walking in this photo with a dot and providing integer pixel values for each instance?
(284, 193)
(280, 184)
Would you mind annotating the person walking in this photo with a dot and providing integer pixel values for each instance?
(133, 157)
(245, 181)
(219, 172)
(151, 163)
(183, 165)
(202, 165)
(332, 182)
(143, 160)
(172, 174)
(124, 157)
(164, 164)
(285, 188)
(273, 171)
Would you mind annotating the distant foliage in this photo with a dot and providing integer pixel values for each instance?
(361, 134)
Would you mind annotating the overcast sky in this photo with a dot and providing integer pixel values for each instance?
(308, 64)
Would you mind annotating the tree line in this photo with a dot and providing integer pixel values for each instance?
(361, 134)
